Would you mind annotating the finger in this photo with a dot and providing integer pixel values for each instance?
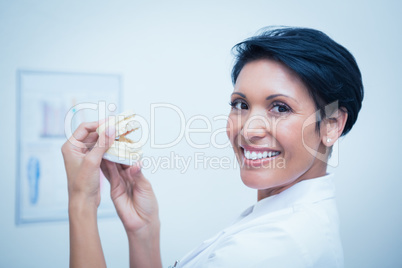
(136, 175)
(113, 174)
(130, 170)
(105, 169)
(91, 138)
(105, 140)
(89, 146)
(125, 178)
(81, 133)
(124, 167)
(124, 170)
(84, 129)
(90, 141)
(124, 174)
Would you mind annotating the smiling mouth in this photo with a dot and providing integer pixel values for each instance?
(260, 154)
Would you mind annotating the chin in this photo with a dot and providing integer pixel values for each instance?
(255, 180)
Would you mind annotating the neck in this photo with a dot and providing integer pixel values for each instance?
(320, 171)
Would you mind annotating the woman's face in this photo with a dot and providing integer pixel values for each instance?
(272, 128)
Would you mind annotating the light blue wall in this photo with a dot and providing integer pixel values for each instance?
(179, 52)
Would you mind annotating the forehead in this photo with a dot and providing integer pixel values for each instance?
(267, 76)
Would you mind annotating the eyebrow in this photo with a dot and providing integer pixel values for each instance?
(267, 98)
(280, 95)
(240, 94)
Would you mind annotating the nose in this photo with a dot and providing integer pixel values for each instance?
(256, 127)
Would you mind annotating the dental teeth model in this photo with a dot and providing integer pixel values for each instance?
(123, 150)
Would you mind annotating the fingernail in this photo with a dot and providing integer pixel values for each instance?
(137, 167)
(134, 170)
(110, 131)
(139, 164)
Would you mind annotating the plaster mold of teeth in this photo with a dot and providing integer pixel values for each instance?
(123, 150)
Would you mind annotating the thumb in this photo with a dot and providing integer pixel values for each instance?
(105, 140)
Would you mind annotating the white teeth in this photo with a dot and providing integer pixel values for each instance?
(253, 155)
(259, 155)
(247, 155)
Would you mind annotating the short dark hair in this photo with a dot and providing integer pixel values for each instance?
(328, 70)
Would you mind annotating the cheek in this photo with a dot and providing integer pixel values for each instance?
(311, 138)
(232, 127)
(292, 136)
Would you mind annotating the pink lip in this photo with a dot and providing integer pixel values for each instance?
(257, 149)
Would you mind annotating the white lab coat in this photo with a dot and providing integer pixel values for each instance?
(296, 228)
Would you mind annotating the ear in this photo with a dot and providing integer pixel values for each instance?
(332, 127)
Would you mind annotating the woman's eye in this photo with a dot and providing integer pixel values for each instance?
(281, 108)
(239, 105)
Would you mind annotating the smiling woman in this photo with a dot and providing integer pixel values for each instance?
(273, 126)
(296, 91)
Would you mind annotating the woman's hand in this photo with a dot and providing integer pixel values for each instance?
(131, 193)
(137, 208)
(82, 155)
(132, 196)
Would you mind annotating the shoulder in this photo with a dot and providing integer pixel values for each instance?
(301, 236)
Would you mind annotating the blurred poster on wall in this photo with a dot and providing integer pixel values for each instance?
(50, 107)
